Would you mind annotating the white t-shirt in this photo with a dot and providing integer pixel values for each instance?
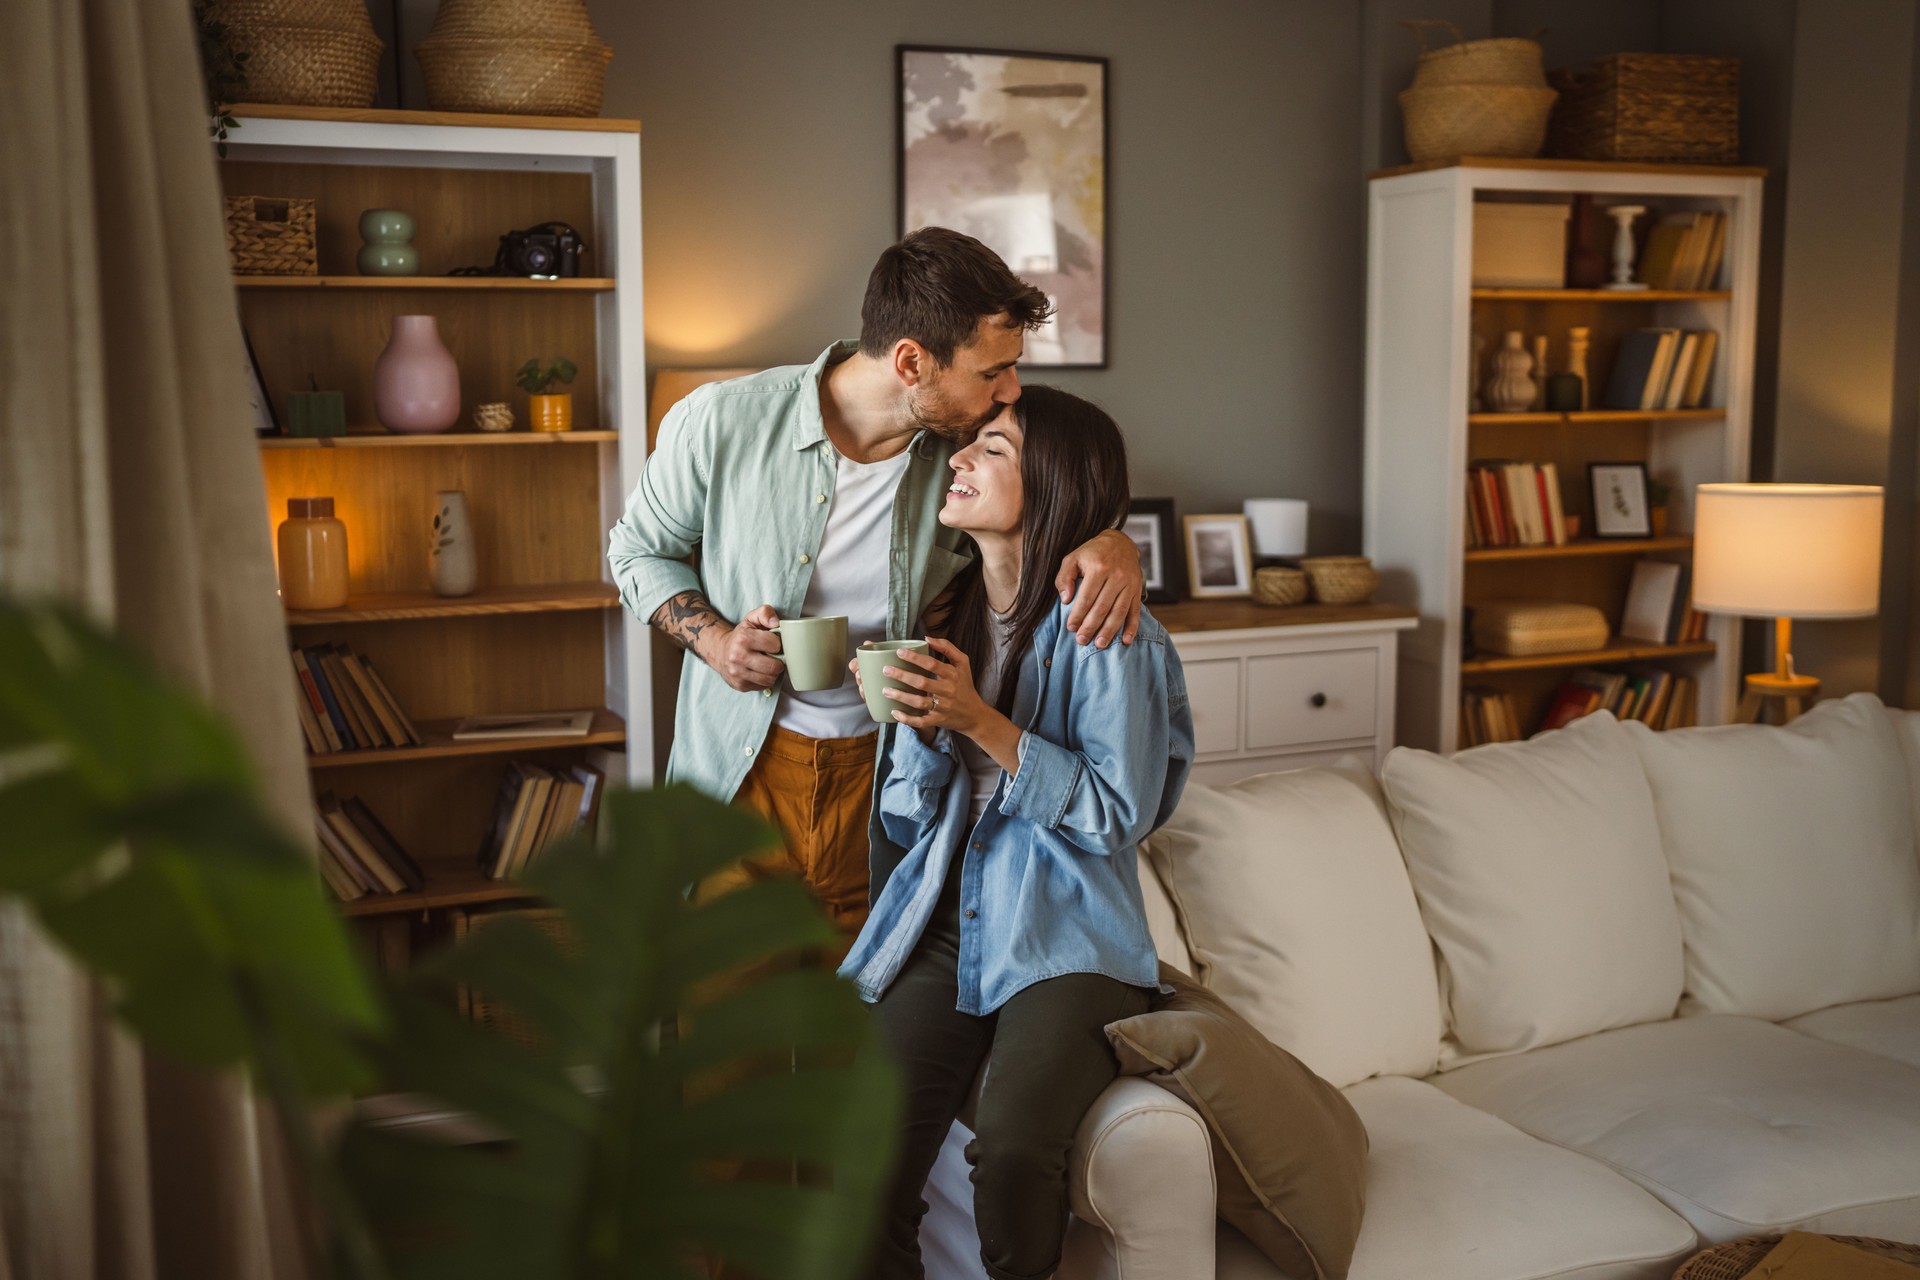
(849, 577)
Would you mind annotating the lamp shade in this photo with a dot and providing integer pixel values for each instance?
(1787, 550)
(1279, 525)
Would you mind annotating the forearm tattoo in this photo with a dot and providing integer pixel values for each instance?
(683, 618)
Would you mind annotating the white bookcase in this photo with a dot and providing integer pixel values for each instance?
(545, 630)
(1422, 313)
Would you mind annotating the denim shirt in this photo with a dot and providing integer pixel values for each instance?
(1049, 881)
(744, 471)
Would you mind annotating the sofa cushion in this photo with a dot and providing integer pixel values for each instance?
(1906, 727)
(1540, 877)
(1890, 1028)
(1296, 909)
(1289, 1154)
(1738, 1125)
(1454, 1194)
(1793, 859)
(1163, 922)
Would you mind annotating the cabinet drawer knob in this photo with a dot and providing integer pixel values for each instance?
(1318, 700)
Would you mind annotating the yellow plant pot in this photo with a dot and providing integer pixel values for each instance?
(551, 413)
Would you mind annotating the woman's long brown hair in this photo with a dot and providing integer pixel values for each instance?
(1073, 468)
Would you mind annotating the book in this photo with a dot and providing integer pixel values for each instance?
(311, 684)
(362, 849)
(383, 842)
(1655, 390)
(309, 722)
(1716, 250)
(1569, 702)
(539, 787)
(389, 727)
(342, 885)
(592, 781)
(1682, 371)
(1632, 365)
(1661, 250)
(344, 730)
(1653, 602)
(1696, 389)
(364, 726)
(534, 724)
(332, 845)
(518, 792)
(411, 734)
(1556, 513)
(1692, 251)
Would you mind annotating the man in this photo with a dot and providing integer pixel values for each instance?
(814, 490)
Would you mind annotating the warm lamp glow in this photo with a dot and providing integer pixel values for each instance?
(1787, 550)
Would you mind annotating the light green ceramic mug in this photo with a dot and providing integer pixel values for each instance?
(814, 652)
(873, 656)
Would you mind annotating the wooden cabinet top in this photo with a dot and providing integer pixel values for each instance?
(1237, 615)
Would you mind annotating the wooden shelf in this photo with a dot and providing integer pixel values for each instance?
(1233, 615)
(451, 890)
(464, 284)
(444, 439)
(1581, 547)
(1537, 165)
(468, 119)
(407, 606)
(1577, 417)
(607, 728)
(1618, 651)
(1602, 295)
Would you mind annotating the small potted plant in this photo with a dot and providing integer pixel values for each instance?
(1658, 494)
(548, 410)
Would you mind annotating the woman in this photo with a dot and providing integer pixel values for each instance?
(1027, 770)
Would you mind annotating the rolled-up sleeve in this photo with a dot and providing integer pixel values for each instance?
(917, 774)
(650, 546)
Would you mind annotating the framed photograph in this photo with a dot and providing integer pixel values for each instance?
(1011, 148)
(1219, 557)
(265, 421)
(1151, 525)
(1619, 493)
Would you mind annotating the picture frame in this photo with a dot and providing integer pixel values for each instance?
(1219, 556)
(1150, 523)
(266, 422)
(1010, 147)
(1618, 493)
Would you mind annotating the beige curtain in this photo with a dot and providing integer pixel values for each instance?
(129, 482)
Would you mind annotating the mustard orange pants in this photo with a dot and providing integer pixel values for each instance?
(818, 792)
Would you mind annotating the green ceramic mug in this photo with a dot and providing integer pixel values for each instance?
(814, 652)
(873, 656)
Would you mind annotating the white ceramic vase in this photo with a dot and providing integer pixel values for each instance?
(1511, 390)
(452, 567)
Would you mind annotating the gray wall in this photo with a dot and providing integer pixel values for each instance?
(1236, 221)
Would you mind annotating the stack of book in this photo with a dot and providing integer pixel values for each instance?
(345, 705)
(1487, 715)
(536, 806)
(357, 854)
(1514, 504)
(1662, 369)
(1683, 250)
(1656, 698)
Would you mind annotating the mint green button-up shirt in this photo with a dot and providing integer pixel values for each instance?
(744, 471)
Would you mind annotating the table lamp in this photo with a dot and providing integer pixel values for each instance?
(1279, 527)
(1786, 551)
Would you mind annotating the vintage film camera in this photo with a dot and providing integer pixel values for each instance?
(550, 251)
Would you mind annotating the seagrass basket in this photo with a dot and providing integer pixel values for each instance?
(1508, 60)
(1341, 579)
(476, 1005)
(308, 53)
(271, 236)
(515, 57)
(1737, 1258)
(1451, 120)
(1675, 107)
(1279, 585)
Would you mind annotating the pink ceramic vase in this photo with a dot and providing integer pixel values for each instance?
(416, 384)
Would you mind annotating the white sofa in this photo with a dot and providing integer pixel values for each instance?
(1602, 999)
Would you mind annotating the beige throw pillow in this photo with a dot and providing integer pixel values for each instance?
(1288, 1149)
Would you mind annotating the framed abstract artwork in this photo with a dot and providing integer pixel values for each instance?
(1011, 148)
(1151, 525)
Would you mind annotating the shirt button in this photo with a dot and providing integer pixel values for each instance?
(1049, 661)
(805, 558)
(819, 497)
(766, 693)
(970, 913)
(749, 750)
(976, 844)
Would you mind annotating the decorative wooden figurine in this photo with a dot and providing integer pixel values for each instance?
(1511, 390)
(1623, 216)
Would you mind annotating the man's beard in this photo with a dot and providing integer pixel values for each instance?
(933, 413)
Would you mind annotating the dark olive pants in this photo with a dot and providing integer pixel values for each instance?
(1047, 1059)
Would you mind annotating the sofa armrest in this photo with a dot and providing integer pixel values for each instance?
(1140, 1180)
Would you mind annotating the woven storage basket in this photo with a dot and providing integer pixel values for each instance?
(1737, 1258)
(1278, 585)
(307, 53)
(1649, 106)
(1341, 579)
(1475, 120)
(484, 1011)
(1509, 60)
(519, 57)
(271, 236)
(1521, 628)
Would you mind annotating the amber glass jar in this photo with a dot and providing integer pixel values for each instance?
(313, 555)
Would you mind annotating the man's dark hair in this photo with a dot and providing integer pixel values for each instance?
(934, 287)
